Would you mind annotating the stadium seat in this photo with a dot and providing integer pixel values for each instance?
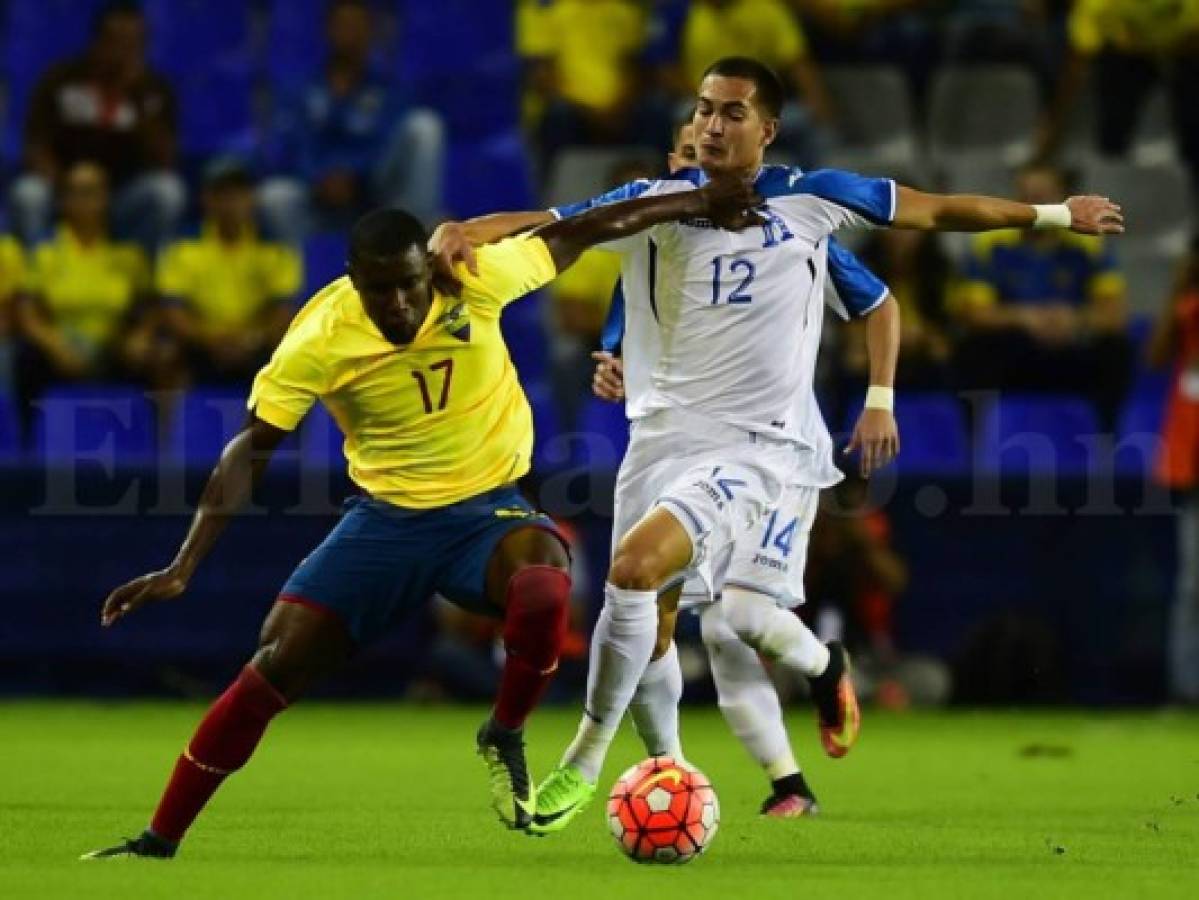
(216, 109)
(324, 260)
(603, 434)
(483, 176)
(295, 41)
(1154, 142)
(202, 423)
(1150, 279)
(874, 116)
(933, 435)
(524, 333)
(191, 35)
(1140, 424)
(551, 449)
(983, 113)
(1037, 435)
(582, 172)
(10, 430)
(1156, 201)
(96, 419)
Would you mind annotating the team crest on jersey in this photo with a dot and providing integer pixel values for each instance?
(456, 320)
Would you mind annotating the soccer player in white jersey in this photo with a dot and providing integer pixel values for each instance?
(720, 439)
(767, 563)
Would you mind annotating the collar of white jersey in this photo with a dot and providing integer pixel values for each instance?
(768, 178)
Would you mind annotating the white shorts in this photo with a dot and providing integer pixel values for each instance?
(717, 480)
(770, 558)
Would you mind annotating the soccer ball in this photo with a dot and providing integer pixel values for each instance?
(663, 810)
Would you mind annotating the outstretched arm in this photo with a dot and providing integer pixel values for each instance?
(229, 486)
(969, 212)
(726, 202)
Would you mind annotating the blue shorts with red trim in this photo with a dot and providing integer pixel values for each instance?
(383, 561)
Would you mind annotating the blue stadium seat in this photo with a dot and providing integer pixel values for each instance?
(483, 176)
(216, 109)
(603, 434)
(321, 440)
(75, 421)
(202, 423)
(190, 35)
(10, 430)
(295, 41)
(1038, 435)
(932, 434)
(324, 260)
(1140, 424)
(525, 336)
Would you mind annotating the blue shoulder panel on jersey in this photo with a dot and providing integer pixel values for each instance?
(613, 331)
(860, 289)
(871, 198)
(694, 174)
(629, 191)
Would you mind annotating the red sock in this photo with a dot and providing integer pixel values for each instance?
(221, 745)
(534, 630)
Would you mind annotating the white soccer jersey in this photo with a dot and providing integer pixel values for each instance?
(728, 324)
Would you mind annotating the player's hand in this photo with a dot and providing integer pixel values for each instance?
(608, 381)
(729, 202)
(447, 247)
(1095, 215)
(876, 437)
(162, 585)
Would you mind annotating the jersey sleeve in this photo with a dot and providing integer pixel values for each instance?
(507, 270)
(287, 386)
(857, 291)
(630, 191)
(681, 181)
(843, 199)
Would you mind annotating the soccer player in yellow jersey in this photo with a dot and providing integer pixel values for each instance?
(437, 430)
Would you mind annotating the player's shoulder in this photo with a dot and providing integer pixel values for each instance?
(872, 198)
(319, 317)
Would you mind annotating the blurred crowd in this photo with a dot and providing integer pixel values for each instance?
(162, 209)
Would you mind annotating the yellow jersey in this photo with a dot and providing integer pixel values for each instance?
(87, 288)
(12, 268)
(767, 30)
(229, 286)
(1132, 26)
(425, 425)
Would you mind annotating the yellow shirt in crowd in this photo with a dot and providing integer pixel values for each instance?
(228, 286)
(426, 425)
(589, 41)
(87, 289)
(1134, 26)
(767, 30)
(12, 268)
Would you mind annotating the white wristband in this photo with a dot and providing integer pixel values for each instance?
(1052, 215)
(879, 397)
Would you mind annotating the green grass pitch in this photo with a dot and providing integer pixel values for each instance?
(389, 801)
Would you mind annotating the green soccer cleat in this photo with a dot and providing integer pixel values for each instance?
(562, 796)
(146, 845)
(512, 794)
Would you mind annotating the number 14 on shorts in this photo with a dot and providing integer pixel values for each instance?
(781, 538)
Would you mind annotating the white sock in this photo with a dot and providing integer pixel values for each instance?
(655, 705)
(620, 650)
(747, 696)
(778, 634)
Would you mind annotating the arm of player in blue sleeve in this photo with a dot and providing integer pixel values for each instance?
(859, 290)
(613, 330)
(629, 191)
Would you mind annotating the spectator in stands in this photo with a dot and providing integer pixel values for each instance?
(12, 274)
(1129, 46)
(1044, 310)
(919, 274)
(83, 312)
(108, 107)
(229, 293)
(585, 80)
(349, 140)
(767, 30)
(1175, 343)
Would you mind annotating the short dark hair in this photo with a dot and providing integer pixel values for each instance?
(769, 93)
(114, 9)
(384, 233)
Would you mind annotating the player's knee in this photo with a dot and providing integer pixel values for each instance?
(744, 614)
(537, 615)
(636, 570)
